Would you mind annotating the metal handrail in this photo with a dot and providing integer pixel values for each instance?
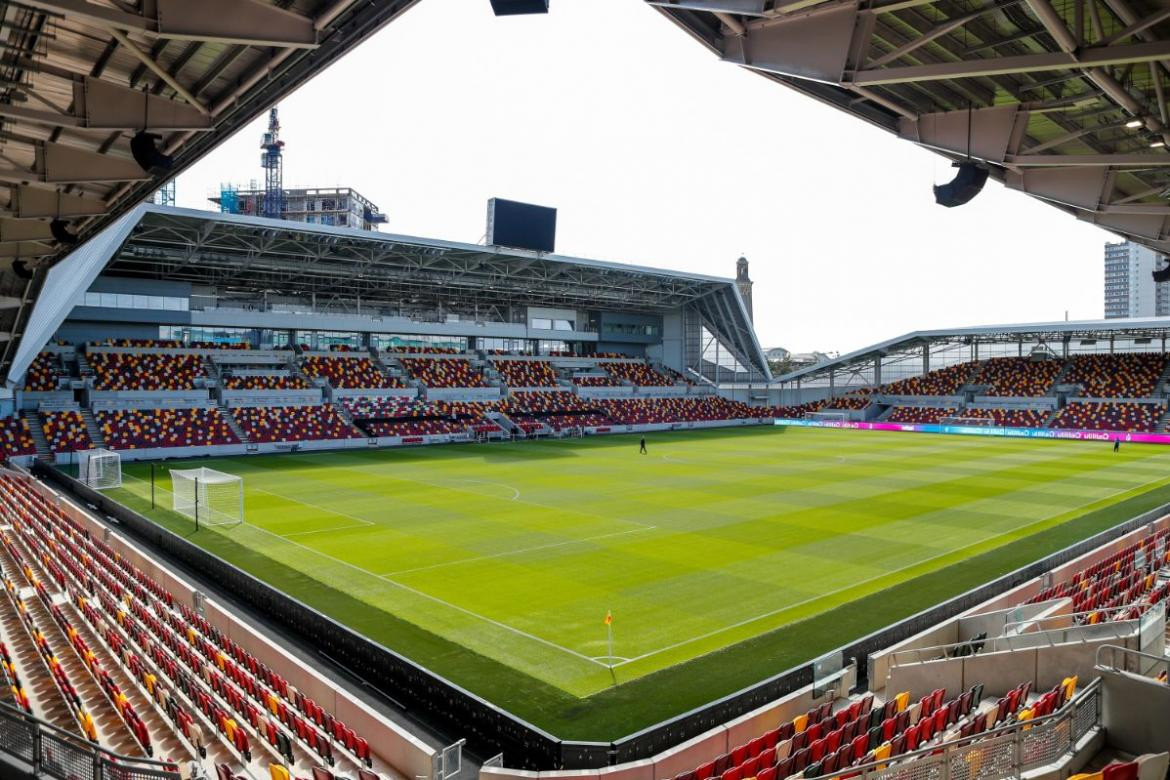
(1125, 651)
(1073, 615)
(48, 761)
(954, 753)
(1005, 643)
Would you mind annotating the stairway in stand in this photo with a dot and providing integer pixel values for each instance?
(95, 430)
(38, 435)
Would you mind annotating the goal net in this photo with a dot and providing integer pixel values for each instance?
(99, 469)
(830, 416)
(985, 422)
(208, 496)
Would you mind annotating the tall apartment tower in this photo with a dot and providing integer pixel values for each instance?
(1129, 290)
(744, 283)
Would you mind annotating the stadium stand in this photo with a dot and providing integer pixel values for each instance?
(443, 372)
(799, 411)
(850, 402)
(265, 382)
(642, 411)
(595, 380)
(943, 381)
(1017, 376)
(65, 431)
(44, 374)
(1122, 375)
(1126, 578)
(1109, 416)
(178, 683)
(526, 373)
(349, 373)
(920, 414)
(1013, 418)
(639, 374)
(132, 429)
(144, 371)
(424, 350)
(398, 417)
(294, 423)
(556, 402)
(15, 438)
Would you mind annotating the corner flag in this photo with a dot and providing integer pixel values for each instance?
(608, 618)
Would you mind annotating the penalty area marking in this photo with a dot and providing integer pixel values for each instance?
(521, 551)
(436, 599)
(819, 596)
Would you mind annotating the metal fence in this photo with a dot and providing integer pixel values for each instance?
(1001, 754)
(51, 752)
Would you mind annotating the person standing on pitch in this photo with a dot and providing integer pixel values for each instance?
(642, 446)
(1116, 445)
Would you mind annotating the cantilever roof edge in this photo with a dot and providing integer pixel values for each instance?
(437, 243)
(1057, 328)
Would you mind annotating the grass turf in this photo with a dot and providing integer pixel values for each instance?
(725, 556)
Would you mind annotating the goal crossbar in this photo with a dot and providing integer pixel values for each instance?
(208, 496)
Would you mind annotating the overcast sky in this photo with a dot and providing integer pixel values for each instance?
(655, 152)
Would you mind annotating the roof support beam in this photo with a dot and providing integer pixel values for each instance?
(58, 163)
(1026, 63)
(29, 202)
(159, 70)
(100, 105)
(1141, 160)
(247, 22)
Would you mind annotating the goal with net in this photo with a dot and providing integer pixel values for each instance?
(208, 496)
(982, 422)
(99, 469)
(830, 416)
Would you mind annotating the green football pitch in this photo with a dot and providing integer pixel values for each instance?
(724, 556)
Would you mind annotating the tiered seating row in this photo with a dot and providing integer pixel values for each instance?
(920, 414)
(443, 372)
(1127, 577)
(821, 742)
(136, 429)
(595, 380)
(15, 438)
(526, 373)
(638, 374)
(349, 373)
(1017, 376)
(224, 681)
(44, 373)
(943, 381)
(1123, 375)
(1115, 416)
(265, 424)
(265, 382)
(1012, 418)
(129, 371)
(65, 431)
(641, 411)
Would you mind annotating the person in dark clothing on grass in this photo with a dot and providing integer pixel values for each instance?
(1116, 445)
(642, 446)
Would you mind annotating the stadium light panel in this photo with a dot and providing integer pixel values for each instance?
(1133, 123)
(1157, 144)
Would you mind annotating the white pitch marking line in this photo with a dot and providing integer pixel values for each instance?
(519, 552)
(515, 492)
(328, 530)
(435, 599)
(361, 520)
(820, 596)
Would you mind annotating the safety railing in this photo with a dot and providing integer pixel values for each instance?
(1082, 633)
(999, 754)
(1133, 661)
(51, 752)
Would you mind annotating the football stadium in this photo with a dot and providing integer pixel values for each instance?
(287, 496)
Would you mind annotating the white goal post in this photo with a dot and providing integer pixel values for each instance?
(99, 469)
(208, 496)
(829, 416)
(982, 422)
